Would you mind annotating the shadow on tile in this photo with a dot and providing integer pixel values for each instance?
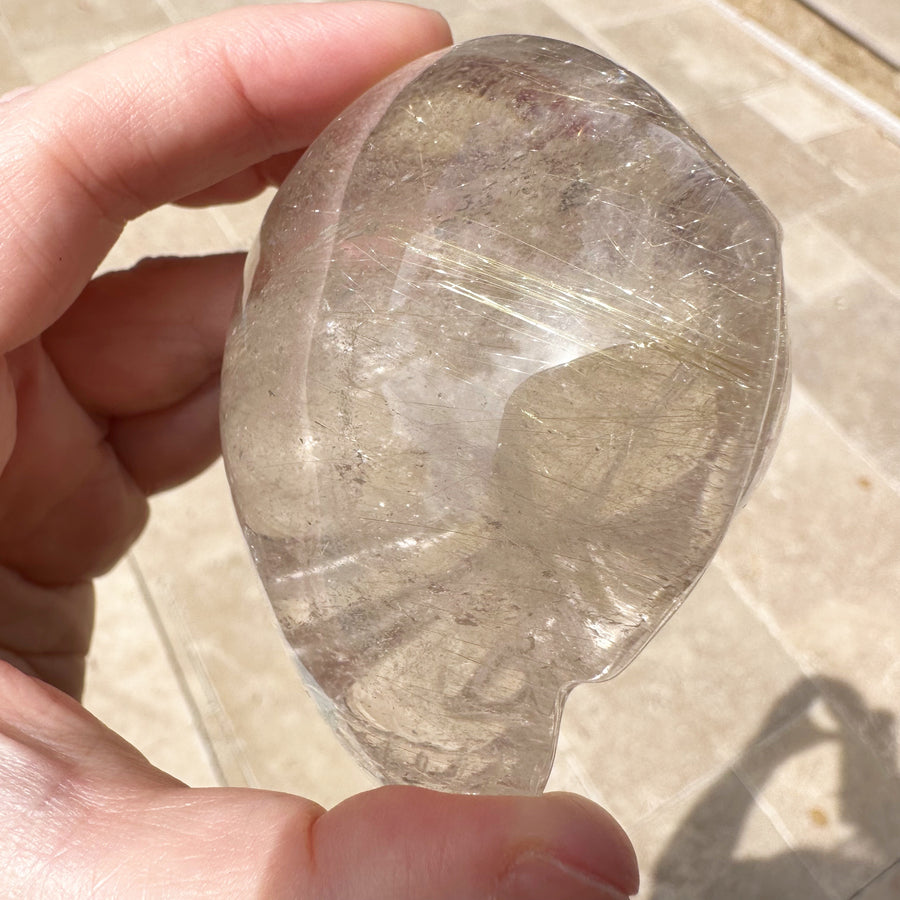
(683, 710)
(817, 551)
(885, 887)
(830, 806)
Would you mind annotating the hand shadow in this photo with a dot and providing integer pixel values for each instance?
(701, 861)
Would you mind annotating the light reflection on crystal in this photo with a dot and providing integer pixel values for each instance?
(510, 356)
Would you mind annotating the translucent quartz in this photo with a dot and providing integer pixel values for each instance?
(510, 354)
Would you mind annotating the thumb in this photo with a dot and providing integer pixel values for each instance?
(85, 815)
(404, 843)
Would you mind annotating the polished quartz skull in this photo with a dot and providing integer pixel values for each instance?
(511, 353)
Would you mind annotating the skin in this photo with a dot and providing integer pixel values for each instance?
(109, 392)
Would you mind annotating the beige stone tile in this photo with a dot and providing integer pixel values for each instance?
(39, 25)
(184, 10)
(862, 155)
(830, 793)
(570, 772)
(179, 231)
(695, 57)
(263, 726)
(683, 709)
(787, 178)
(715, 843)
(800, 111)
(885, 887)
(133, 688)
(874, 23)
(53, 38)
(817, 553)
(870, 224)
(60, 57)
(12, 72)
(847, 356)
(815, 261)
(452, 9)
(612, 13)
(797, 26)
(519, 16)
(171, 231)
(241, 221)
(471, 5)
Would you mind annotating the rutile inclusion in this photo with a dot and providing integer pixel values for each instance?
(510, 355)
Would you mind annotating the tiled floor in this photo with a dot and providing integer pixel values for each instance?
(874, 23)
(752, 750)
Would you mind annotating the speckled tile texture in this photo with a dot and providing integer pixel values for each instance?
(752, 750)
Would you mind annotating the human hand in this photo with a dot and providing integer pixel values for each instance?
(109, 391)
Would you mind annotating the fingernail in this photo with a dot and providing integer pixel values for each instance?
(540, 877)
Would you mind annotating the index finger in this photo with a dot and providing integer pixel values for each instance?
(167, 117)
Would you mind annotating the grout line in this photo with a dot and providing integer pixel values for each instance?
(855, 448)
(709, 778)
(815, 215)
(855, 34)
(567, 755)
(784, 832)
(811, 674)
(811, 671)
(766, 619)
(770, 813)
(857, 894)
(170, 12)
(591, 33)
(597, 33)
(237, 241)
(178, 671)
(856, 100)
(695, 786)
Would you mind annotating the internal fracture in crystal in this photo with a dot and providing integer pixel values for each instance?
(510, 356)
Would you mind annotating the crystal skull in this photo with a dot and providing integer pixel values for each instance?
(510, 355)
